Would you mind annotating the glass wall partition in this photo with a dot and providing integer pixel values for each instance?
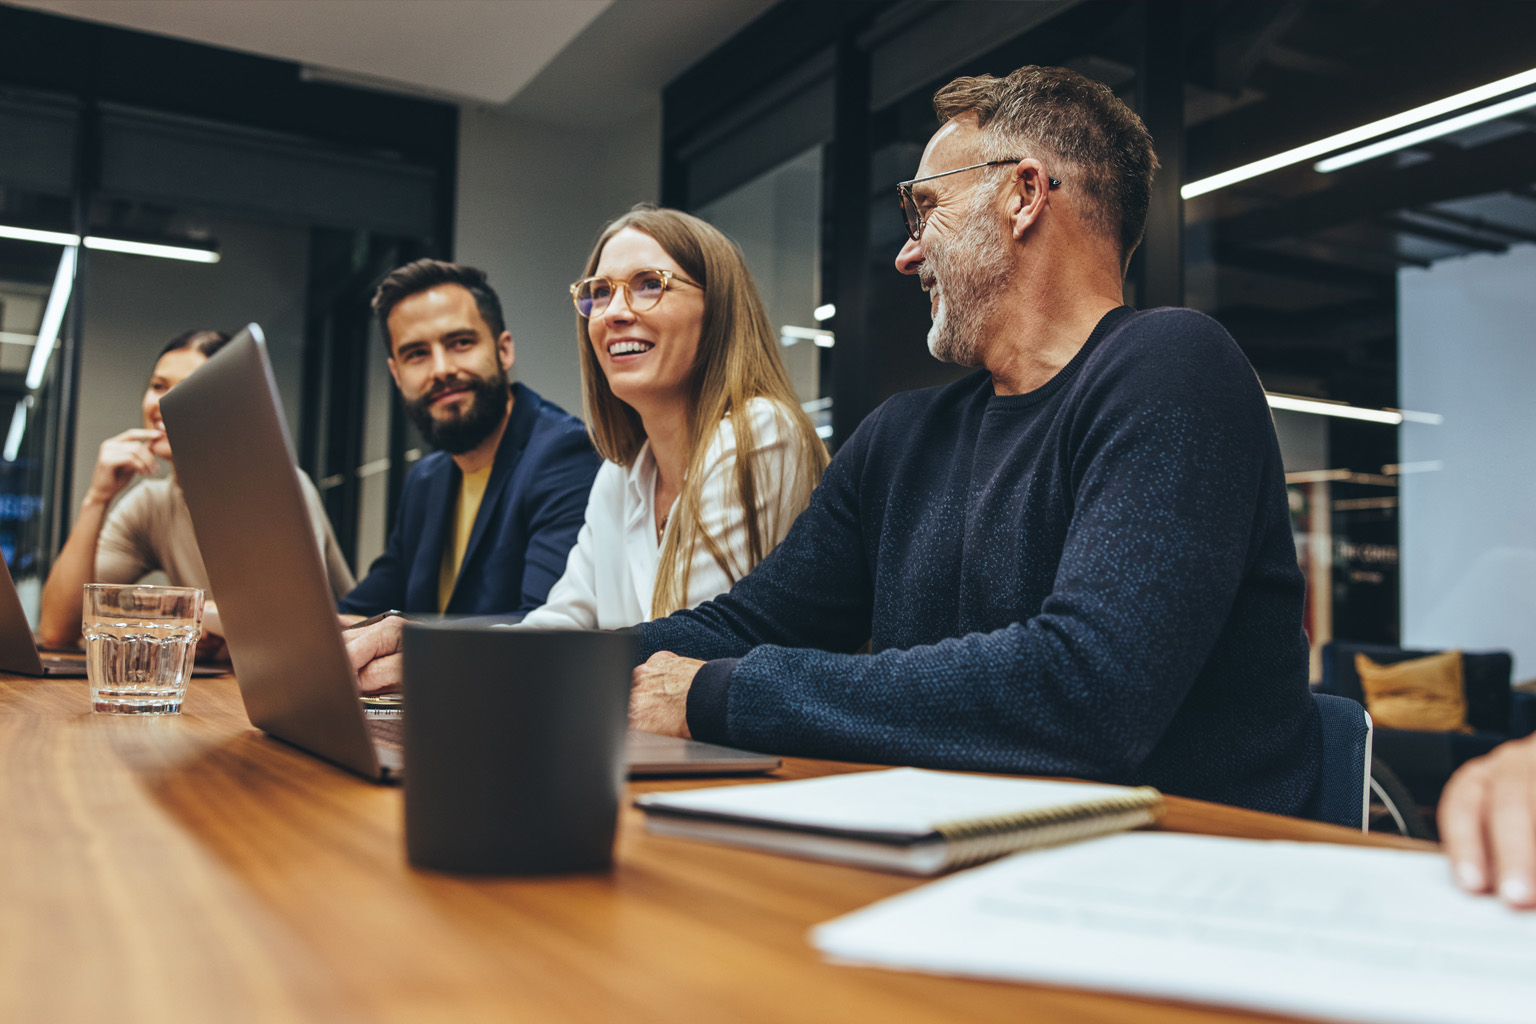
(777, 221)
(1346, 186)
(221, 190)
(1355, 173)
(38, 263)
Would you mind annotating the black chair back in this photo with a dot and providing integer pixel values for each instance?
(1343, 794)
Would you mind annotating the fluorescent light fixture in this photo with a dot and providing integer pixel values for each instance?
(18, 428)
(1364, 133)
(32, 235)
(826, 312)
(1322, 408)
(1418, 135)
(790, 335)
(53, 317)
(824, 431)
(170, 252)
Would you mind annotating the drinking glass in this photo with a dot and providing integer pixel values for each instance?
(139, 645)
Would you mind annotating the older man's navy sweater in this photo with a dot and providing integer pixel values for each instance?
(1094, 579)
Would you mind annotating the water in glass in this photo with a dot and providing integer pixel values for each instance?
(139, 646)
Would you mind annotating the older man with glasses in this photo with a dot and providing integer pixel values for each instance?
(1075, 561)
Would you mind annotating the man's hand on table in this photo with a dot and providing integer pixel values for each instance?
(658, 694)
(1488, 823)
(374, 651)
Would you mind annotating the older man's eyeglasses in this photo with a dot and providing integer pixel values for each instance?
(909, 206)
(642, 291)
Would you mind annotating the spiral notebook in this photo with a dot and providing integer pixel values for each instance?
(907, 820)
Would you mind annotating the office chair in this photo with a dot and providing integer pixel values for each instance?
(1344, 793)
(1388, 791)
(1423, 761)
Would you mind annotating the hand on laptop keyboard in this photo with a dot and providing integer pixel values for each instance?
(375, 654)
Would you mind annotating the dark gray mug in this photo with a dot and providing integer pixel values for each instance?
(514, 747)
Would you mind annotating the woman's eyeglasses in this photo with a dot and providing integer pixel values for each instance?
(642, 291)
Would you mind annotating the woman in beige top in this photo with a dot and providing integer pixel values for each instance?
(150, 528)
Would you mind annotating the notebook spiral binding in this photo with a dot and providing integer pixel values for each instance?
(975, 840)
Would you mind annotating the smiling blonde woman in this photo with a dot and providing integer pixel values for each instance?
(709, 456)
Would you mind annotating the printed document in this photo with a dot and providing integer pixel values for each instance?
(1309, 929)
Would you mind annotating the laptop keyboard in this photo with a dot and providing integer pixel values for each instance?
(387, 730)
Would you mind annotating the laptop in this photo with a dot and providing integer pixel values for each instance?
(235, 463)
(18, 651)
(19, 654)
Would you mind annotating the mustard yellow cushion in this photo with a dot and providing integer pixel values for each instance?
(1425, 694)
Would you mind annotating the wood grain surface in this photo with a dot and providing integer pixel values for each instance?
(188, 868)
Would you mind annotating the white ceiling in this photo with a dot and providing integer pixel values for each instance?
(617, 66)
(535, 58)
(484, 50)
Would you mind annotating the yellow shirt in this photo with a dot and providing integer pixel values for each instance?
(471, 491)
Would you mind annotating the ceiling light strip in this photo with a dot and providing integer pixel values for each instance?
(34, 235)
(1291, 403)
(1418, 135)
(53, 317)
(169, 252)
(18, 428)
(1364, 133)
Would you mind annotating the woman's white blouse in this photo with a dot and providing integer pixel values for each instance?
(611, 572)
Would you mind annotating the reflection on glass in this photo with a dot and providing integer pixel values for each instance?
(37, 278)
(776, 219)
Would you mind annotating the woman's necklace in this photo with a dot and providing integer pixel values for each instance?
(661, 527)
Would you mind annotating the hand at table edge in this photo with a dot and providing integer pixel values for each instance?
(1487, 821)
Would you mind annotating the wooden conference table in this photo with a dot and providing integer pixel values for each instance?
(190, 869)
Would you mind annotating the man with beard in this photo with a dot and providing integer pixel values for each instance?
(485, 523)
(1076, 561)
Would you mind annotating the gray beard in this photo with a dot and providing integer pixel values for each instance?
(971, 272)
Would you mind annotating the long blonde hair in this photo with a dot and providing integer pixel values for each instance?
(738, 360)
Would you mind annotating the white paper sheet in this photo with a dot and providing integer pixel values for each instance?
(1310, 929)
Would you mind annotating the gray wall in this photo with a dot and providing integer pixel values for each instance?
(135, 304)
(1467, 337)
(532, 199)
